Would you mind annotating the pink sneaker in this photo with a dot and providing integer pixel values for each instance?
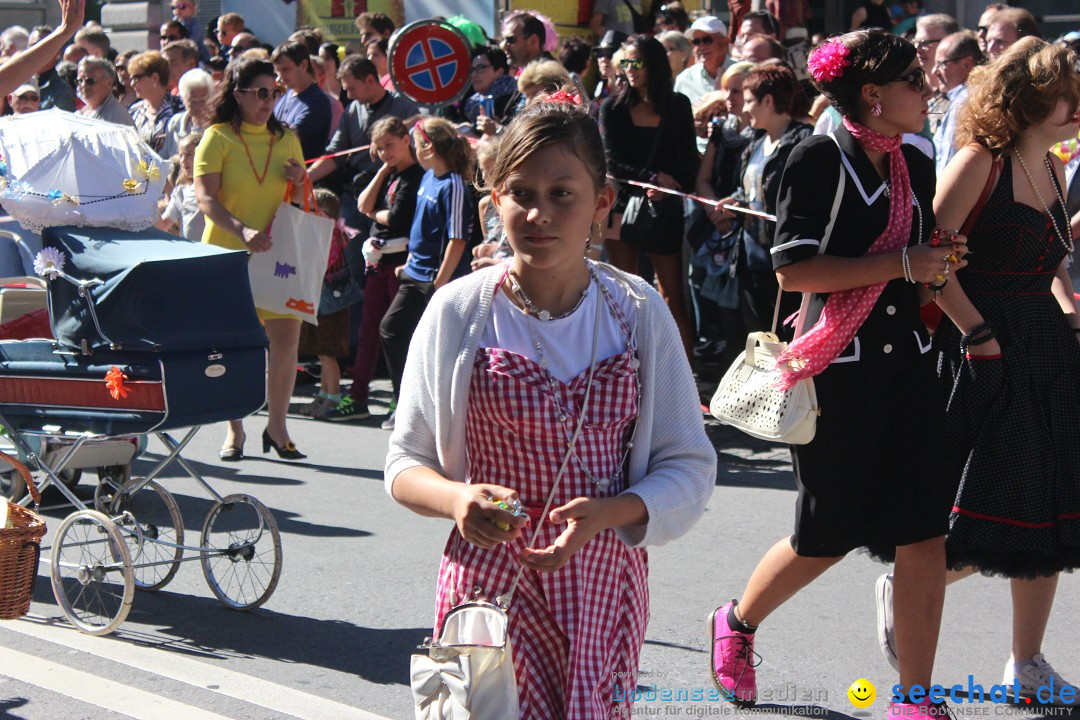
(732, 659)
(918, 711)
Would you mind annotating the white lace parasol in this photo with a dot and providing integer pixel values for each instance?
(58, 168)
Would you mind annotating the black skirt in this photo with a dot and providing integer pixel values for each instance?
(876, 474)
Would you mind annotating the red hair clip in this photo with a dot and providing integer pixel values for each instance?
(562, 96)
(419, 127)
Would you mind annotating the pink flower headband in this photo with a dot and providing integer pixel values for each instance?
(828, 61)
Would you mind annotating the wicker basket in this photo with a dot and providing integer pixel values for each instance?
(20, 550)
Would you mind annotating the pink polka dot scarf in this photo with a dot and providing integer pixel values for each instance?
(846, 310)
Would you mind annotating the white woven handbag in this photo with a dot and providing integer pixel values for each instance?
(747, 398)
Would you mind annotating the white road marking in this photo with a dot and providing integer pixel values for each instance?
(107, 694)
(246, 688)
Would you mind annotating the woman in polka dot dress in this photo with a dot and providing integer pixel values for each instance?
(1009, 356)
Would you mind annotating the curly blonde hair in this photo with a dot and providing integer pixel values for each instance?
(1018, 90)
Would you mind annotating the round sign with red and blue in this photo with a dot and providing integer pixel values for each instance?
(430, 62)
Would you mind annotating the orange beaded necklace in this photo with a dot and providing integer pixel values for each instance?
(270, 152)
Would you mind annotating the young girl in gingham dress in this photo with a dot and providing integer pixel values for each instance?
(504, 365)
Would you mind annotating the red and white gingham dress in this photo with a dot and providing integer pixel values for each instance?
(577, 631)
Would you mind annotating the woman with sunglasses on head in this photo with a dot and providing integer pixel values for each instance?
(648, 131)
(880, 436)
(241, 169)
(1008, 351)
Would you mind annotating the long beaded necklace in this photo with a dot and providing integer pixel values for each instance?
(1057, 231)
(562, 416)
(266, 168)
(536, 312)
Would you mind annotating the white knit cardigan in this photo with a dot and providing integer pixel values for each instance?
(672, 463)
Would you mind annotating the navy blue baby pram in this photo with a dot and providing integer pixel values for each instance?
(152, 333)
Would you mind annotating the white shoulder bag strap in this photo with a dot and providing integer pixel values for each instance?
(840, 185)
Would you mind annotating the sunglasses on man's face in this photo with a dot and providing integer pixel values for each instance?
(169, 38)
(706, 40)
(29, 97)
(635, 64)
(179, 6)
(263, 94)
(87, 81)
(916, 77)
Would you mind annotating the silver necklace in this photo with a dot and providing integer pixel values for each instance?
(1057, 231)
(536, 312)
(563, 418)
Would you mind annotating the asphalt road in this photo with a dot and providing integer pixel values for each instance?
(357, 592)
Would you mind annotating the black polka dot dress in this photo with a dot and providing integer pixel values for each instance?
(1014, 422)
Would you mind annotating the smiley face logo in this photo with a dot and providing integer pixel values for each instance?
(862, 693)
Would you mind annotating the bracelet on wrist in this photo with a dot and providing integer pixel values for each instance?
(939, 287)
(906, 263)
(979, 335)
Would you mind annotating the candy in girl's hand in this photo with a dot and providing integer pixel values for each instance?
(513, 507)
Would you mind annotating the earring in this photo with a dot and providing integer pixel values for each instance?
(594, 230)
(876, 110)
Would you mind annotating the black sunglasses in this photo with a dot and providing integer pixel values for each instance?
(635, 64)
(707, 40)
(263, 93)
(169, 38)
(87, 81)
(916, 77)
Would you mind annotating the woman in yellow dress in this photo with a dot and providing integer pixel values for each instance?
(241, 169)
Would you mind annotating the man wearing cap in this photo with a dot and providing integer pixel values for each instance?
(708, 35)
(609, 45)
(26, 98)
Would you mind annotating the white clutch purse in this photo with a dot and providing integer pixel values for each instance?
(747, 399)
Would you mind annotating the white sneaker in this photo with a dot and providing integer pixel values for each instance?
(1033, 675)
(886, 633)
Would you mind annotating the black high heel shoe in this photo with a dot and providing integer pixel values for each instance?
(288, 452)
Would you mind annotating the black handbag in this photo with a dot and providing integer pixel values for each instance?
(647, 224)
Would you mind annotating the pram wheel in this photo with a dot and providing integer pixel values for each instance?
(241, 552)
(92, 577)
(11, 485)
(150, 522)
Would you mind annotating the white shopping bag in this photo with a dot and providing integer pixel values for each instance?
(288, 277)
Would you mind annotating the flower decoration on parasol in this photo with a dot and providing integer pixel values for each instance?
(57, 168)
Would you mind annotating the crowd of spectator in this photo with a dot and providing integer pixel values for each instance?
(686, 102)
